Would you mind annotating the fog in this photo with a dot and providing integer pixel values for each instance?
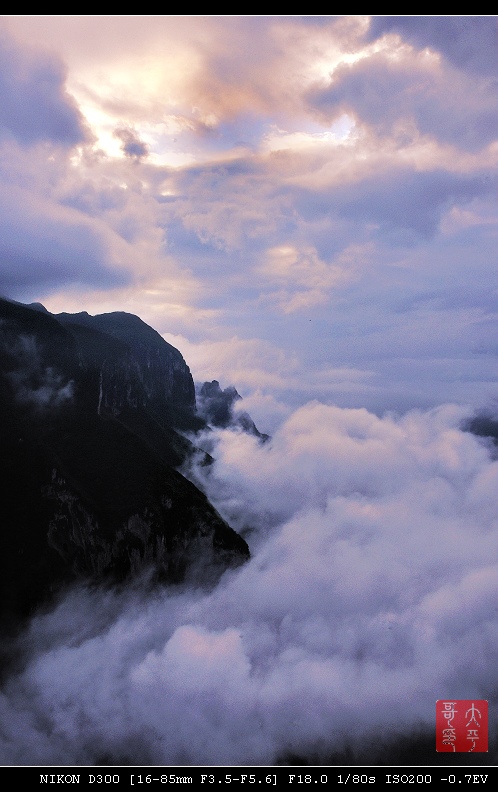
(33, 383)
(371, 593)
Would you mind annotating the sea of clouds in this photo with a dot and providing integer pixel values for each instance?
(371, 593)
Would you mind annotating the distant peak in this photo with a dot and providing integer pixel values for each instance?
(37, 306)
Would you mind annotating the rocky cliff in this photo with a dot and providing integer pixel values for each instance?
(91, 408)
(137, 367)
(216, 406)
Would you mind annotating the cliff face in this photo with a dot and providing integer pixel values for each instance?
(137, 367)
(217, 407)
(90, 410)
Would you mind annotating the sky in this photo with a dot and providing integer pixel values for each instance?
(306, 208)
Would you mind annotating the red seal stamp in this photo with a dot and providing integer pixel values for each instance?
(462, 725)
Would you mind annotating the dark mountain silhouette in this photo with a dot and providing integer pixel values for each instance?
(91, 413)
(483, 424)
(217, 407)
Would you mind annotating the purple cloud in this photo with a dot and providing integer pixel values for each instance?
(468, 42)
(34, 105)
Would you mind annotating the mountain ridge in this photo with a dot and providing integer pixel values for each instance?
(94, 413)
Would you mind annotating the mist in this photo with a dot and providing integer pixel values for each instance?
(33, 383)
(371, 592)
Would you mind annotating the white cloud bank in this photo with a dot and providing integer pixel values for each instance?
(371, 593)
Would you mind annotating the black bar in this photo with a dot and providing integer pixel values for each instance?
(288, 777)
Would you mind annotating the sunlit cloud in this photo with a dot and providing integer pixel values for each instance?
(363, 147)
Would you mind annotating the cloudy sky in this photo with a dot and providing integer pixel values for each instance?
(305, 206)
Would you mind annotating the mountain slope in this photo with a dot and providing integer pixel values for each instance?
(90, 410)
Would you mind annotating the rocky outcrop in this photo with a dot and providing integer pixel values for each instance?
(484, 424)
(216, 406)
(91, 408)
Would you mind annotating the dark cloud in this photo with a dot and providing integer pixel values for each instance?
(468, 42)
(44, 247)
(25, 274)
(34, 105)
(132, 146)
